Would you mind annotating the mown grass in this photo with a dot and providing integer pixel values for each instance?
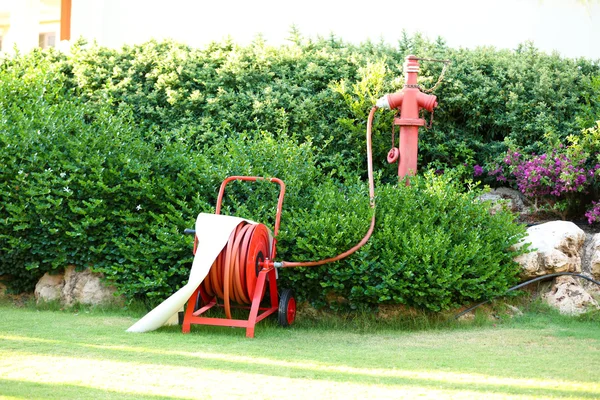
(54, 354)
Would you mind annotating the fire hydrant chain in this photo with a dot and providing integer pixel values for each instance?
(430, 121)
(441, 77)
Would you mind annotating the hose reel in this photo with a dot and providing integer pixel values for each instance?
(239, 275)
(244, 267)
(233, 275)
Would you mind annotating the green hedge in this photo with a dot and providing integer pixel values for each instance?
(79, 185)
(83, 185)
(323, 89)
(108, 154)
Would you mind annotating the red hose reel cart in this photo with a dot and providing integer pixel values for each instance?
(241, 273)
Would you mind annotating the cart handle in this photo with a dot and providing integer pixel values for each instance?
(254, 179)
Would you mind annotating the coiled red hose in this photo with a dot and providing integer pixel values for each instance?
(232, 277)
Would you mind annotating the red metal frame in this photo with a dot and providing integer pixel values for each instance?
(266, 274)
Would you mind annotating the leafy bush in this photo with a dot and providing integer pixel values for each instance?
(492, 95)
(433, 247)
(323, 89)
(553, 182)
(593, 213)
(586, 144)
(80, 185)
(83, 185)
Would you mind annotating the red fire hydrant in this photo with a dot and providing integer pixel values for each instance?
(409, 101)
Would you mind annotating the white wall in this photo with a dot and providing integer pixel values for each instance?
(567, 26)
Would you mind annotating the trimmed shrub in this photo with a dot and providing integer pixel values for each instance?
(82, 184)
(522, 96)
(323, 89)
(434, 246)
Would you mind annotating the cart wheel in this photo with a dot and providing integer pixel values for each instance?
(287, 308)
(199, 302)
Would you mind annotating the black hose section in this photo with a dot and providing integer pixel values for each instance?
(520, 285)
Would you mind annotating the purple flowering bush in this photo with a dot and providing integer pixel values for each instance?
(593, 214)
(555, 182)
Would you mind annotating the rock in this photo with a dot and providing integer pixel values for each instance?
(86, 287)
(497, 202)
(517, 198)
(569, 297)
(49, 287)
(306, 311)
(470, 316)
(74, 287)
(593, 290)
(509, 198)
(556, 247)
(591, 261)
(485, 311)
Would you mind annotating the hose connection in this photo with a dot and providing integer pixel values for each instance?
(383, 103)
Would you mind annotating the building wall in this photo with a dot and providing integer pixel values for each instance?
(23, 29)
(22, 22)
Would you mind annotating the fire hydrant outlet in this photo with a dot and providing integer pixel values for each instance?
(395, 100)
(427, 101)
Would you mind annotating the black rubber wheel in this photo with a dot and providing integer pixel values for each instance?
(287, 308)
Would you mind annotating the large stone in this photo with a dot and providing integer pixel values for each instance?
(569, 297)
(592, 253)
(86, 287)
(49, 287)
(556, 247)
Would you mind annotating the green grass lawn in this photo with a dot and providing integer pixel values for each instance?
(88, 355)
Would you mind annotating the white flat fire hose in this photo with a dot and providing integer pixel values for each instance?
(213, 232)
